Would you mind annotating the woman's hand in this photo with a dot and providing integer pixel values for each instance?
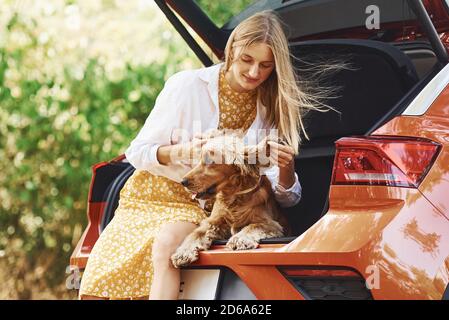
(284, 157)
(187, 152)
(190, 152)
(281, 155)
(192, 149)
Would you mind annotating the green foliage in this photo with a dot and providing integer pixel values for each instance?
(52, 131)
(221, 11)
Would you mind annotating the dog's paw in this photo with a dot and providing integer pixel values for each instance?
(241, 242)
(184, 257)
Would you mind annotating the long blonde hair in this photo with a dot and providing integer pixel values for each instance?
(282, 93)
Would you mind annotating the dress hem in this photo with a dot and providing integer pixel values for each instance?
(113, 298)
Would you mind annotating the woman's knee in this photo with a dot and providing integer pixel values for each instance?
(163, 247)
(168, 240)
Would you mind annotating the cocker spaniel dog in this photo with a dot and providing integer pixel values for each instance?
(244, 209)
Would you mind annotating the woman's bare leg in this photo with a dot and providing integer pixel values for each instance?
(166, 278)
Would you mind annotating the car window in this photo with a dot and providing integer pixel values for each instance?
(221, 11)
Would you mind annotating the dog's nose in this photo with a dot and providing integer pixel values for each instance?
(185, 182)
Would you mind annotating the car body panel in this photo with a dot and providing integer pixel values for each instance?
(359, 233)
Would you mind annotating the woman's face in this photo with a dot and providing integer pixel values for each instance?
(251, 68)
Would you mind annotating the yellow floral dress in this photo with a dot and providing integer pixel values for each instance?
(119, 266)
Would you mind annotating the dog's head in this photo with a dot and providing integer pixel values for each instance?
(225, 160)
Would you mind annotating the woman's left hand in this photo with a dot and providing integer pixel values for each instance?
(281, 155)
(284, 157)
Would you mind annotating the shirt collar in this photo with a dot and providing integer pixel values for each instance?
(211, 75)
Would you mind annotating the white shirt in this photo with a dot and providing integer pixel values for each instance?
(188, 104)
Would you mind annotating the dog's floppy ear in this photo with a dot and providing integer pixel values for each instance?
(246, 160)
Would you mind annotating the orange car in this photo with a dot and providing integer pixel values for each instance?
(373, 222)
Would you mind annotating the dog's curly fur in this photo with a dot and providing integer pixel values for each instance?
(244, 210)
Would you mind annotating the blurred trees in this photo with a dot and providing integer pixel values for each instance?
(70, 98)
(221, 11)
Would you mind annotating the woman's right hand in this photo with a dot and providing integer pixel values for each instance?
(191, 150)
(187, 152)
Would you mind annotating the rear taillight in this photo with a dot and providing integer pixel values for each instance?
(383, 160)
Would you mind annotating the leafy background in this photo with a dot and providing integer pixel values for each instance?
(77, 80)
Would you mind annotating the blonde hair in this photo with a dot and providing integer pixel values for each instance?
(282, 93)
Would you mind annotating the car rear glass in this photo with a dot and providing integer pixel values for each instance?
(311, 17)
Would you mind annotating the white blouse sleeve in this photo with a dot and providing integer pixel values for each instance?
(165, 116)
(285, 197)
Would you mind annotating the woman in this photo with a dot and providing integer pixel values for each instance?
(255, 88)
